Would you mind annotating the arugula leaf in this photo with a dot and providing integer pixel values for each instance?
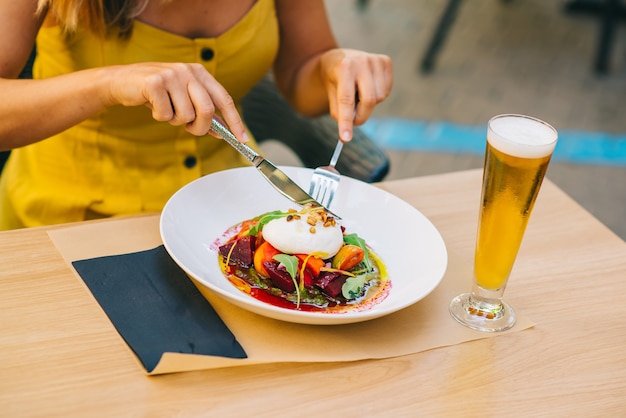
(353, 287)
(354, 239)
(264, 219)
(291, 265)
(290, 262)
(270, 216)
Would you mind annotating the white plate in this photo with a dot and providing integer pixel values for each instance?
(406, 241)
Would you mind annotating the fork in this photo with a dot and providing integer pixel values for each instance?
(325, 179)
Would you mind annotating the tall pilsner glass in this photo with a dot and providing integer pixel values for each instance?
(517, 156)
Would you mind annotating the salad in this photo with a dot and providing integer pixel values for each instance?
(305, 260)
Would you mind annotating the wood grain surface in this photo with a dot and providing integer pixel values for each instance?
(59, 355)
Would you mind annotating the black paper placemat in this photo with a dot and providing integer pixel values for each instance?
(155, 307)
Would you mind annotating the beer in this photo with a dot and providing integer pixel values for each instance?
(518, 151)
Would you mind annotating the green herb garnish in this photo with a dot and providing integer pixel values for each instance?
(291, 265)
(353, 287)
(264, 219)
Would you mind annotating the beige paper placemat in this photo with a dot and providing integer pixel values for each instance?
(423, 326)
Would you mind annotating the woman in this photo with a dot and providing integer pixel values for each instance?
(116, 117)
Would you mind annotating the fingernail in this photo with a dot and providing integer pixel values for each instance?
(245, 137)
(345, 135)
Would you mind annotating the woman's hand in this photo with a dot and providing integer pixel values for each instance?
(347, 73)
(180, 94)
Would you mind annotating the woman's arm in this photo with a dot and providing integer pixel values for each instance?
(316, 76)
(32, 110)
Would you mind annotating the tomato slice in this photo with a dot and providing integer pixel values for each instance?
(312, 262)
(264, 252)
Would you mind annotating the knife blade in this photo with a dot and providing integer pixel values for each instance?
(276, 177)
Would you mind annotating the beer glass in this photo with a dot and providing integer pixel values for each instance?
(518, 151)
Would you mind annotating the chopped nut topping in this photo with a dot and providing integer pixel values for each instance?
(314, 214)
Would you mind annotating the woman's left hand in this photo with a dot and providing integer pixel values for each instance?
(348, 74)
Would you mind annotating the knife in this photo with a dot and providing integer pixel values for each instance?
(277, 178)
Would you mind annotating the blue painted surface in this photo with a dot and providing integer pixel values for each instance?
(445, 137)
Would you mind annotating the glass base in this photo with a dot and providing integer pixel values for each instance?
(490, 315)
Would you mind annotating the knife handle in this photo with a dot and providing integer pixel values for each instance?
(228, 136)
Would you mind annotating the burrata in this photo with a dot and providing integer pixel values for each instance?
(305, 233)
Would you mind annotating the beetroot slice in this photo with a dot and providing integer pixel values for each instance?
(242, 254)
(331, 282)
(308, 277)
(279, 276)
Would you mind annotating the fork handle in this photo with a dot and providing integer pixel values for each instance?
(335, 157)
(339, 146)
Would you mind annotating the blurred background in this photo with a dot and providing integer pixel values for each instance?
(543, 58)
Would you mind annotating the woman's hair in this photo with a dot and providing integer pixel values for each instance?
(95, 15)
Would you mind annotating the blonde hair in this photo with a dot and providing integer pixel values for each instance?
(96, 15)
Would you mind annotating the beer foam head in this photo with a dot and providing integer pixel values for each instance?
(521, 136)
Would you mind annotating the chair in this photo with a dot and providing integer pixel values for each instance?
(269, 116)
(439, 36)
(609, 11)
(4, 155)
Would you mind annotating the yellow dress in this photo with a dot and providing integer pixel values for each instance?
(121, 161)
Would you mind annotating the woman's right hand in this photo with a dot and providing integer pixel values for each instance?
(180, 94)
(177, 93)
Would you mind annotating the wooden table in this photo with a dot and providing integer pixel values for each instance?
(59, 356)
